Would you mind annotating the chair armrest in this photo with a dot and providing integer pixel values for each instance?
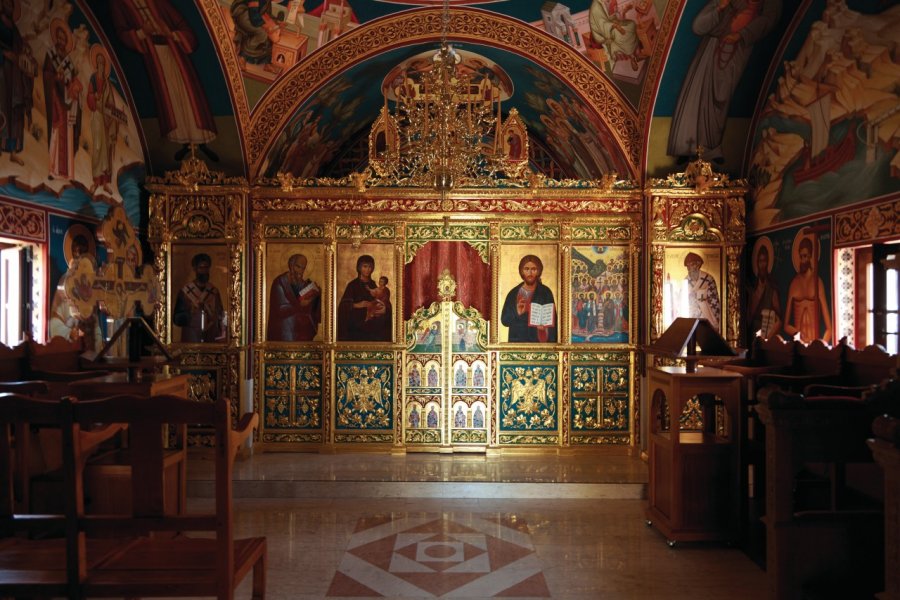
(28, 388)
(91, 438)
(752, 370)
(794, 382)
(822, 389)
(244, 429)
(776, 397)
(67, 376)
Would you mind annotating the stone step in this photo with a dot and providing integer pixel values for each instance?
(204, 488)
(374, 475)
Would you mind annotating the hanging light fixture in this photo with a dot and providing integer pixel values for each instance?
(445, 131)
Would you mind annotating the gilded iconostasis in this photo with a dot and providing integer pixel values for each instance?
(180, 135)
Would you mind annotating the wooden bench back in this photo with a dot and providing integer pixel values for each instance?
(59, 354)
(818, 358)
(146, 419)
(25, 536)
(870, 366)
(13, 363)
(115, 555)
(774, 351)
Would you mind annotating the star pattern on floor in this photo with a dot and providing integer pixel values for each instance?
(440, 556)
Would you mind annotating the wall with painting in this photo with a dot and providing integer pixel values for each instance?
(824, 156)
(74, 143)
(70, 146)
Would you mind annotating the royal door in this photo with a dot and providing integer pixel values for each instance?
(447, 384)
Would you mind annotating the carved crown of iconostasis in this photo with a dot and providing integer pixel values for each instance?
(696, 222)
(198, 217)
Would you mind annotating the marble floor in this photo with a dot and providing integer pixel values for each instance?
(465, 527)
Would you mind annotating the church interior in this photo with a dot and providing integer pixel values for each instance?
(580, 299)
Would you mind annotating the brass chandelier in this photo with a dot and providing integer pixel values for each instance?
(446, 130)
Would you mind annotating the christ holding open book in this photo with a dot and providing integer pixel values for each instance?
(529, 310)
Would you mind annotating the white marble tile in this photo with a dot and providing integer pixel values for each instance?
(584, 531)
(584, 549)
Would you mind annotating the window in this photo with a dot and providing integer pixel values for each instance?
(883, 294)
(20, 293)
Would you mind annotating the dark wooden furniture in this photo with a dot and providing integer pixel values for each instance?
(693, 482)
(147, 552)
(157, 565)
(885, 446)
(58, 362)
(862, 371)
(767, 356)
(813, 363)
(824, 538)
(150, 384)
(13, 362)
(35, 557)
(107, 478)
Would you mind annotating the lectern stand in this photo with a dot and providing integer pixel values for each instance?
(694, 474)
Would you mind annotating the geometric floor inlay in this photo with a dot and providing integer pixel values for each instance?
(440, 556)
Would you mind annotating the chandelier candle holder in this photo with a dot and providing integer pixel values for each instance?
(447, 123)
(447, 129)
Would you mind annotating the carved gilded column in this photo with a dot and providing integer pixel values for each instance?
(160, 242)
(657, 255)
(495, 275)
(196, 211)
(698, 212)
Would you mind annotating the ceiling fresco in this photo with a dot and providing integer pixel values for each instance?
(340, 111)
(238, 62)
(70, 137)
(254, 86)
(618, 36)
(829, 131)
(175, 79)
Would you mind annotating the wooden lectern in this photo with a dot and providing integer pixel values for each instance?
(694, 475)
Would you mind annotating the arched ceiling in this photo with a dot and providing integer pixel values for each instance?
(592, 107)
(543, 89)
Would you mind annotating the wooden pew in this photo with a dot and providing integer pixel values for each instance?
(862, 371)
(885, 446)
(25, 455)
(822, 542)
(82, 555)
(43, 371)
(34, 553)
(58, 362)
(774, 355)
(38, 470)
(813, 363)
(152, 562)
(14, 362)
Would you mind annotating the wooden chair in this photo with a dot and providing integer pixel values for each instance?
(35, 556)
(767, 356)
(816, 363)
(885, 446)
(38, 473)
(154, 562)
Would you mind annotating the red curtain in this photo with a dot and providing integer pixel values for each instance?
(472, 275)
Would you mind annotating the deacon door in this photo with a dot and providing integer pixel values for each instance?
(447, 384)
